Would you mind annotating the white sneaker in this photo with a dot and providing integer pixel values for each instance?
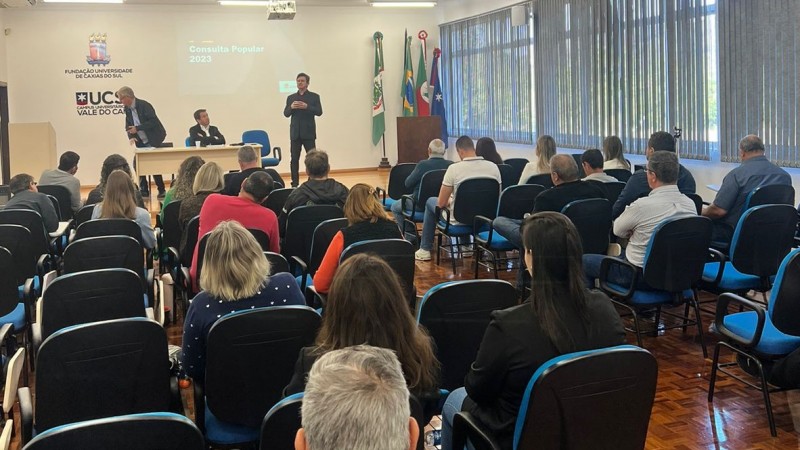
(422, 255)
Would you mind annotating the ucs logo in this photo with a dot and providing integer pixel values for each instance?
(95, 98)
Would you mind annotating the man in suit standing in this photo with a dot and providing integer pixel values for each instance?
(204, 132)
(144, 130)
(302, 106)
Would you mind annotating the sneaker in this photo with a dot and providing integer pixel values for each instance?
(422, 255)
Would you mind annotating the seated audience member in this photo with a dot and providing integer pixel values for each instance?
(181, 188)
(545, 150)
(470, 166)
(567, 187)
(486, 149)
(318, 190)
(639, 220)
(754, 171)
(435, 161)
(366, 220)
(25, 195)
(209, 180)
(249, 163)
(561, 316)
(614, 154)
(357, 399)
(203, 132)
(245, 208)
(592, 163)
(637, 185)
(110, 164)
(366, 305)
(120, 203)
(64, 175)
(235, 277)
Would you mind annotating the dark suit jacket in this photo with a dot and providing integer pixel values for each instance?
(148, 122)
(557, 197)
(233, 181)
(303, 125)
(197, 134)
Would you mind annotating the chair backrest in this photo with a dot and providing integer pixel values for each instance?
(579, 163)
(56, 206)
(276, 177)
(261, 237)
(397, 253)
(148, 431)
(592, 219)
(33, 222)
(770, 194)
(784, 301)
(250, 359)
(277, 263)
(105, 252)
(281, 423)
(188, 142)
(101, 369)
(257, 137)
(429, 186)
(456, 315)
(507, 175)
(84, 214)
(62, 194)
(599, 399)
(517, 200)
(677, 253)
(763, 237)
(171, 226)
(541, 179)
(476, 197)
(109, 227)
(698, 202)
(620, 174)
(300, 226)
(9, 295)
(17, 240)
(192, 231)
(321, 240)
(518, 164)
(13, 373)
(91, 296)
(396, 187)
(276, 199)
(613, 190)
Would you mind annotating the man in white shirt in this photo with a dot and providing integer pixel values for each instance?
(470, 166)
(205, 133)
(640, 219)
(592, 163)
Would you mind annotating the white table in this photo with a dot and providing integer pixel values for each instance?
(155, 161)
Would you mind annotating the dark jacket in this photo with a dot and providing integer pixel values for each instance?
(415, 177)
(36, 201)
(637, 187)
(148, 122)
(303, 125)
(557, 197)
(313, 192)
(197, 134)
(515, 345)
(233, 181)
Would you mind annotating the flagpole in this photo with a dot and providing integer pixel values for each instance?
(384, 161)
(378, 38)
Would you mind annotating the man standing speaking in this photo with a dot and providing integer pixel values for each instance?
(144, 129)
(302, 106)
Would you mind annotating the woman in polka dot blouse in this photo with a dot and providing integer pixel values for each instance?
(235, 277)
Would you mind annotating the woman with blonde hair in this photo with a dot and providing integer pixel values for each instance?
(235, 277)
(119, 202)
(614, 154)
(545, 149)
(208, 180)
(366, 220)
(182, 187)
(366, 306)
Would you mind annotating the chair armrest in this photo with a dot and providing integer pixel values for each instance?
(43, 265)
(605, 267)
(315, 299)
(722, 311)
(4, 332)
(443, 214)
(199, 406)
(465, 427)
(479, 224)
(277, 151)
(26, 415)
(408, 213)
(297, 261)
(717, 256)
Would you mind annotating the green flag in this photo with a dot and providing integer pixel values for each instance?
(423, 99)
(378, 108)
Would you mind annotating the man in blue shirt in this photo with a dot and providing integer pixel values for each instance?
(637, 187)
(435, 161)
(754, 171)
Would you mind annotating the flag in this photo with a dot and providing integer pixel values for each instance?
(407, 93)
(437, 104)
(423, 96)
(378, 108)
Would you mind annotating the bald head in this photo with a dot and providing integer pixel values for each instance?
(563, 169)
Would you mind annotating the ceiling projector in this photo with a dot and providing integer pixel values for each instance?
(281, 10)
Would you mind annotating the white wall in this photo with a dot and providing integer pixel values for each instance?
(333, 45)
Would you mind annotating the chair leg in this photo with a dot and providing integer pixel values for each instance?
(438, 248)
(656, 321)
(457, 253)
(699, 325)
(713, 378)
(478, 253)
(767, 402)
(685, 316)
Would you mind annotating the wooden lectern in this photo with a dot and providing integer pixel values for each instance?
(32, 148)
(413, 136)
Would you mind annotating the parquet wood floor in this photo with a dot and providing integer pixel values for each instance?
(681, 417)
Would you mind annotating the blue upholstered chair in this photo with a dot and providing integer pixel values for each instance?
(281, 423)
(261, 137)
(598, 399)
(396, 186)
(414, 207)
(760, 335)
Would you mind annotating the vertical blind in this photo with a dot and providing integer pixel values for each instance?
(625, 68)
(759, 59)
(486, 77)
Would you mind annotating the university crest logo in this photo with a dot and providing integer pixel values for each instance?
(98, 50)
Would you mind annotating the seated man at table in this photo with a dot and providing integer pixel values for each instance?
(25, 195)
(204, 132)
(249, 163)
